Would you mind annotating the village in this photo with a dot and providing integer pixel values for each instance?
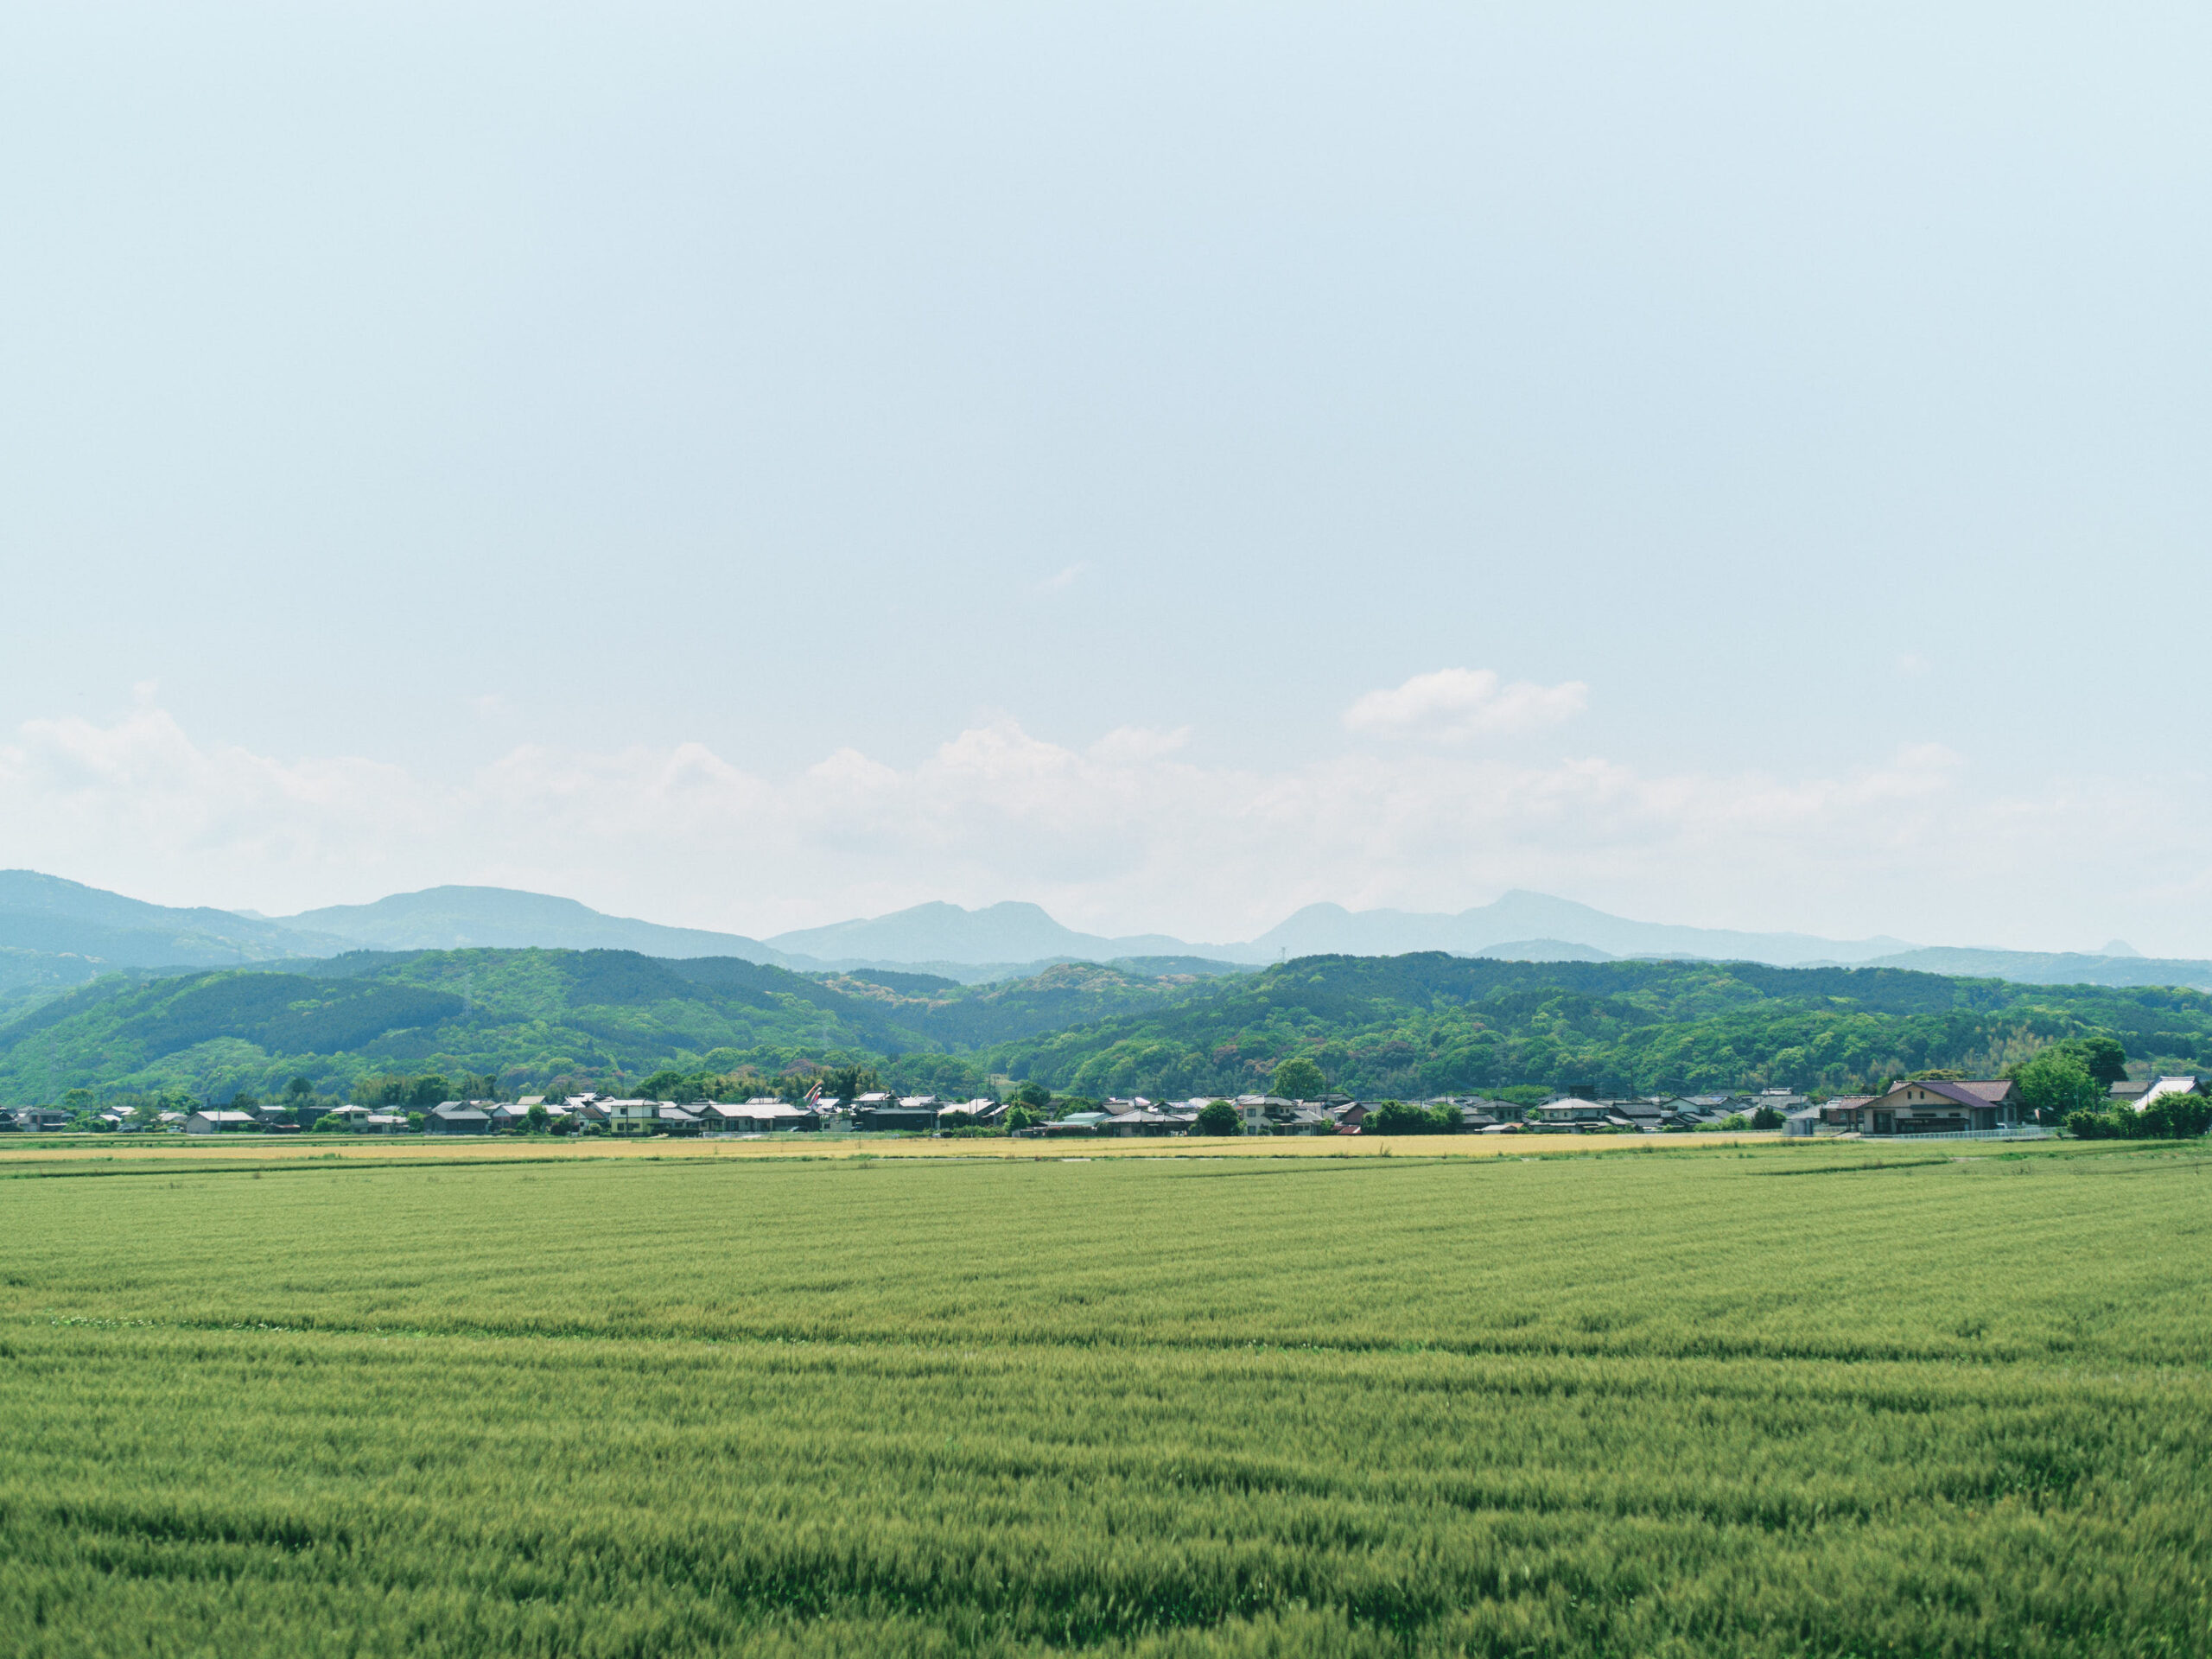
(1919, 1107)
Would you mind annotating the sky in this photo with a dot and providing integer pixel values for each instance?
(752, 467)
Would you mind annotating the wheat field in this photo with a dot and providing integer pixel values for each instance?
(1758, 1400)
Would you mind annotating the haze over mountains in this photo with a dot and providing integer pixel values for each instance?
(55, 933)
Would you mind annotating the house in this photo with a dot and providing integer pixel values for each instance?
(1140, 1120)
(1261, 1113)
(1805, 1121)
(2159, 1087)
(1571, 1112)
(510, 1115)
(1841, 1115)
(456, 1117)
(670, 1119)
(1480, 1112)
(1077, 1123)
(219, 1123)
(385, 1124)
(762, 1114)
(1937, 1106)
(353, 1117)
(1782, 1101)
(915, 1113)
(628, 1116)
(970, 1114)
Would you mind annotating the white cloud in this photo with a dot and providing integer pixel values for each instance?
(1065, 578)
(1455, 705)
(1127, 834)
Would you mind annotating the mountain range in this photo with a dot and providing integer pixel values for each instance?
(55, 933)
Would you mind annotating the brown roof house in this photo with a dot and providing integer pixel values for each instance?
(1936, 1106)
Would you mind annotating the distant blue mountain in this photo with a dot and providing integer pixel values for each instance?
(1326, 929)
(56, 932)
(53, 917)
(943, 932)
(2053, 968)
(457, 918)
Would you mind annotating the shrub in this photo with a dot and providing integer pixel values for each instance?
(2099, 1126)
(2174, 1117)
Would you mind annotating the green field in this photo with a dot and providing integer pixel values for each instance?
(1782, 1400)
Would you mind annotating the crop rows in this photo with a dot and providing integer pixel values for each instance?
(1737, 1402)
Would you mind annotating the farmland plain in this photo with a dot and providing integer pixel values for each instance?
(1754, 1399)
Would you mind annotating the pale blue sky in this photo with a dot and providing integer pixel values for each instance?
(398, 388)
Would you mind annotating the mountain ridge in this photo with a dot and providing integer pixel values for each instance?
(54, 932)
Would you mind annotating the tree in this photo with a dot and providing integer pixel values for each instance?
(564, 1124)
(536, 1117)
(1299, 1078)
(1395, 1117)
(329, 1123)
(1032, 1094)
(849, 1082)
(415, 1122)
(297, 1091)
(1767, 1118)
(1734, 1124)
(2054, 1085)
(1444, 1119)
(427, 1090)
(1019, 1117)
(1218, 1117)
(2103, 1056)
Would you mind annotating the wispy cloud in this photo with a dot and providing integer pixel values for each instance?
(1065, 580)
(1456, 705)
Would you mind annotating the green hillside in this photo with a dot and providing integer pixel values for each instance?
(1067, 994)
(1432, 1024)
(1378, 1026)
(547, 1018)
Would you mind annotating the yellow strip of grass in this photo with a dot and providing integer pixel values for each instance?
(234, 1149)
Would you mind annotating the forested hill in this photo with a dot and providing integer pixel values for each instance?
(1403, 1025)
(1429, 1024)
(542, 1018)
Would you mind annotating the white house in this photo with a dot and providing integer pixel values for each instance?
(214, 1122)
